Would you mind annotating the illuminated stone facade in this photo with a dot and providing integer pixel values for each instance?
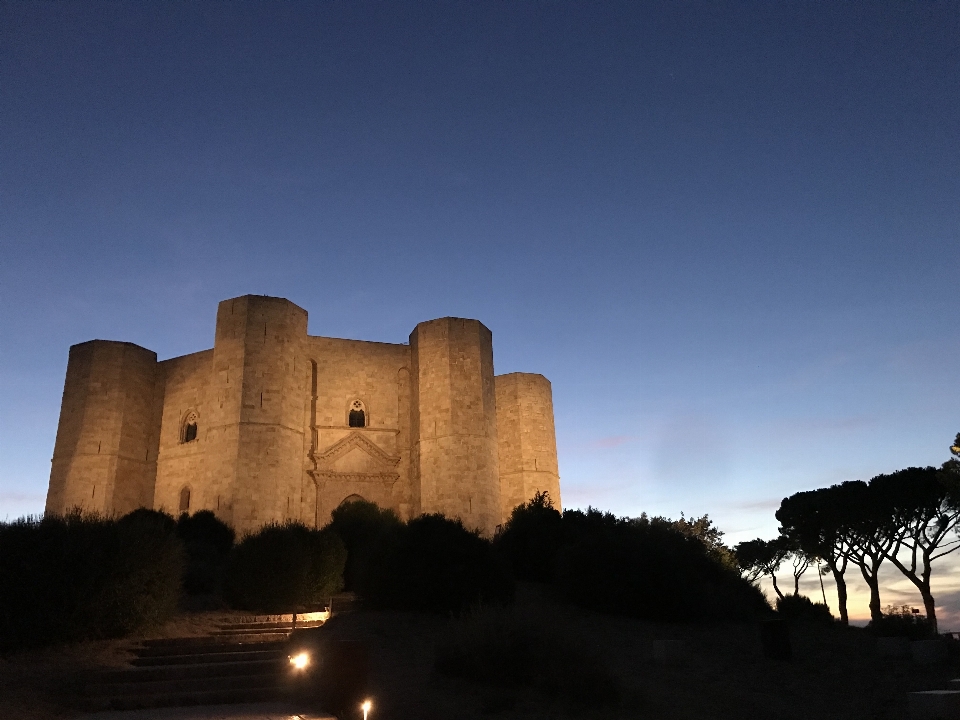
(273, 424)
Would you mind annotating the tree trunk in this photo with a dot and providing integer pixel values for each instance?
(928, 604)
(923, 585)
(774, 578)
(874, 584)
(875, 611)
(931, 609)
(841, 595)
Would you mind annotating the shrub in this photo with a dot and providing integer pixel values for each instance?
(85, 577)
(362, 526)
(800, 607)
(901, 622)
(207, 541)
(148, 565)
(282, 568)
(647, 569)
(145, 517)
(531, 539)
(508, 648)
(435, 564)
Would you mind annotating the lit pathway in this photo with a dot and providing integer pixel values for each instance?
(257, 711)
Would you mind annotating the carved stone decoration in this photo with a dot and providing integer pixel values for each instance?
(354, 458)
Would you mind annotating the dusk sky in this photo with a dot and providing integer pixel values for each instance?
(727, 232)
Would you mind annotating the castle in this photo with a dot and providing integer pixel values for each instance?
(273, 424)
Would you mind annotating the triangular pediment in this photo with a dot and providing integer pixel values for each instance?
(355, 454)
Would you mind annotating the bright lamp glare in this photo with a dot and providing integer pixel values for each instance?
(366, 708)
(300, 661)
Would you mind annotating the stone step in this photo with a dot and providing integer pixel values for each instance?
(211, 646)
(188, 684)
(210, 697)
(245, 620)
(934, 704)
(261, 627)
(226, 637)
(185, 672)
(215, 657)
(245, 639)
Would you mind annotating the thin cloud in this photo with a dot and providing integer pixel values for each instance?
(15, 505)
(612, 441)
(580, 496)
(605, 443)
(13, 497)
(770, 504)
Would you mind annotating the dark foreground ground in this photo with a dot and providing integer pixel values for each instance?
(665, 672)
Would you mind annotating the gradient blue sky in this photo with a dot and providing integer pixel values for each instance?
(728, 233)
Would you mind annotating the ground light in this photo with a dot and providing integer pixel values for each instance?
(300, 661)
(366, 708)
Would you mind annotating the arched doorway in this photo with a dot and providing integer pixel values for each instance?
(352, 498)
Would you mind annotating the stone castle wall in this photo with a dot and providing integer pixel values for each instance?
(371, 462)
(186, 383)
(528, 440)
(455, 425)
(273, 441)
(105, 455)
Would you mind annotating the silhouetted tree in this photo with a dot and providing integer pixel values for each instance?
(435, 564)
(531, 538)
(703, 529)
(869, 520)
(281, 568)
(815, 520)
(645, 567)
(363, 526)
(952, 466)
(799, 560)
(800, 607)
(756, 558)
(924, 517)
(207, 541)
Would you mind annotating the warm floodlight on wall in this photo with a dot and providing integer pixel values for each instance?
(300, 661)
(366, 708)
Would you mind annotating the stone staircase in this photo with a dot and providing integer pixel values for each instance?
(936, 704)
(243, 660)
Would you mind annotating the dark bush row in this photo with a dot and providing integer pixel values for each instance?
(83, 577)
(800, 607)
(207, 542)
(73, 578)
(640, 567)
(431, 563)
(283, 568)
(901, 622)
